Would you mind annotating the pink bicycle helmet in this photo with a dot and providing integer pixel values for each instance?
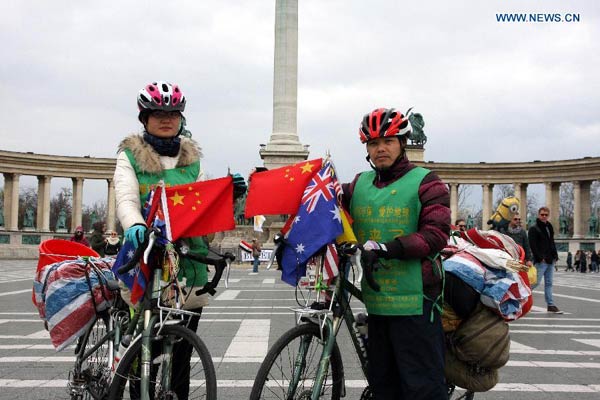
(162, 96)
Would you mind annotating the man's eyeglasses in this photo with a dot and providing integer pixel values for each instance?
(165, 114)
(543, 215)
(462, 226)
(516, 219)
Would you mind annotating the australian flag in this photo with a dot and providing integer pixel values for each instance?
(317, 223)
(124, 256)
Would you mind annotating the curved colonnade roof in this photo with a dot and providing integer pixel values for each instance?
(581, 169)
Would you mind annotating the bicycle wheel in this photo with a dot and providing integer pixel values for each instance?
(90, 377)
(190, 357)
(283, 360)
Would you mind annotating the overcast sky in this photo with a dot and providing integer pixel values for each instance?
(489, 91)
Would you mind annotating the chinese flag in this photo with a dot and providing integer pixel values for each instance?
(279, 191)
(199, 208)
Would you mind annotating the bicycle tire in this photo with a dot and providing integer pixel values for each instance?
(277, 367)
(92, 378)
(203, 381)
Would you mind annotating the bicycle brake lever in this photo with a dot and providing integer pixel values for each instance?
(356, 261)
(272, 258)
(151, 240)
(228, 261)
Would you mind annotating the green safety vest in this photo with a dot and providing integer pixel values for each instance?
(382, 214)
(194, 272)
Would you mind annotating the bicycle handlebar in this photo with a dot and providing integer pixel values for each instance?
(223, 261)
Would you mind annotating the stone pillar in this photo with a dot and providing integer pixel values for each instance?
(111, 205)
(11, 202)
(77, 216)
(487, 203)
(521, 194)
(43, 204)
(582, 208)
(284, 146)
(553, 202)
(453, 202)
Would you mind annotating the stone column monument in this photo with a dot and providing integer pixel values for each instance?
(284, 146)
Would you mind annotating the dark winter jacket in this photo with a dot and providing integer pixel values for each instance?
(541, 240)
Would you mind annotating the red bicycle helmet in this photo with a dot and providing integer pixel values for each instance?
(383, 122)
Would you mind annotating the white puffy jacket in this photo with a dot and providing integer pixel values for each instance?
(127, 187)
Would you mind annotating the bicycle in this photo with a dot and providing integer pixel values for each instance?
(305, 363)
(125, 355)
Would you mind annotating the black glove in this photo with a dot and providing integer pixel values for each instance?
(370, 260)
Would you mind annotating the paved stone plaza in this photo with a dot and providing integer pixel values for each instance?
(552, 356)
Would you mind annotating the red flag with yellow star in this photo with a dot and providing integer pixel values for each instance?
(199, 208)
(279, 191)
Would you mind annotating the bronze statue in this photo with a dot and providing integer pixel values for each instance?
(28, 219)
(593, 226)
(564, 225)
(416, 121)
(61, 222)
(470, 222)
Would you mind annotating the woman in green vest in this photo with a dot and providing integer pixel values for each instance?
(162, 152)
(401, 213)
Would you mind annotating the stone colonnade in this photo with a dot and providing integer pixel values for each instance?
(42, 224)
(582, 204)
(13, 165)
(581, 172)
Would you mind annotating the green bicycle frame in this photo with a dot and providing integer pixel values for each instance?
(330, 331)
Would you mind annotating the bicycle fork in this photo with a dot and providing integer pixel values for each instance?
(300, 363)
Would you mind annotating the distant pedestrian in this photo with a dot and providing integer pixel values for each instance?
(97, 239)
(543, 248)
(460, 224)
(569, 261)
(256, 249)
(79, 237)
(594, 264)
(577, 259)
(583, 262)
(515, 230)
(113, 244)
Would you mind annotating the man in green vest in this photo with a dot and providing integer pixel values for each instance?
(401, 213)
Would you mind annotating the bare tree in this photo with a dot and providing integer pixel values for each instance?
(93, 213)
(464, 208)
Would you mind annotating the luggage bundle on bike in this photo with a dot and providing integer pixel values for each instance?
(69, 293)
(485, 287)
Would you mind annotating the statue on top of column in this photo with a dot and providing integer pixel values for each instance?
(417, 136)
